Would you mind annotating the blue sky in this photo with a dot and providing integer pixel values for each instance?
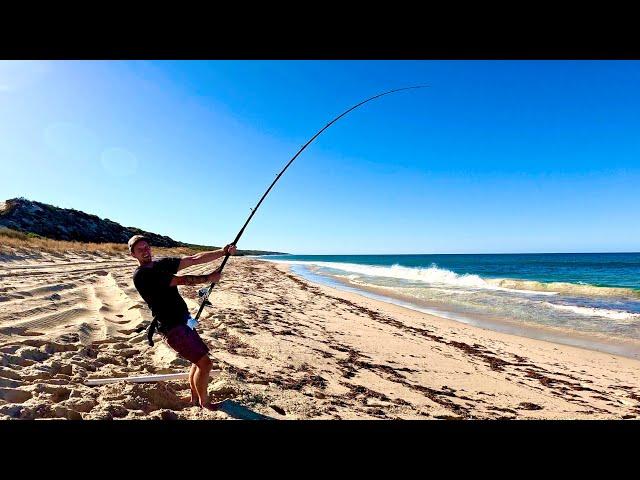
(494, 157)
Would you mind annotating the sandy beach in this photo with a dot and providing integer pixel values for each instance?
(285, 349)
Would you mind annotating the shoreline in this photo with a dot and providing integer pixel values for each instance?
(594, 342)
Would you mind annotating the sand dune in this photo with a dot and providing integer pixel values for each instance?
(286, 349)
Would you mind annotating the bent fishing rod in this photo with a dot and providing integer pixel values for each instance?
(255, 209)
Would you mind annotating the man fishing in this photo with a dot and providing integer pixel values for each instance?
(157, 283)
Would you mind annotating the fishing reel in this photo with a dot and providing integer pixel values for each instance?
(202, 294)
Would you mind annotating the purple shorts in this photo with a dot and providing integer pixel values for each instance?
(187, 343)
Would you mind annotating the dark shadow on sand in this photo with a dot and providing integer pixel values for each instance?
(240, 412)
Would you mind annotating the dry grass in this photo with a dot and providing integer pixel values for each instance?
(12, 239)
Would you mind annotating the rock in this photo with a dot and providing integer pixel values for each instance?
(69, 224)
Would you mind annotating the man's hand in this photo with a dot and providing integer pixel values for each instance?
(230, 249)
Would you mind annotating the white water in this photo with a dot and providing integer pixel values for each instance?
(431, 275)
(596, 312)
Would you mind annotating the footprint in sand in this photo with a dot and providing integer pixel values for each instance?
(13, 395)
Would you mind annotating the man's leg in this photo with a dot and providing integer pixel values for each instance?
(201, 377)
(192, 383)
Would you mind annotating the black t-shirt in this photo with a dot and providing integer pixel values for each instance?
(166, 304)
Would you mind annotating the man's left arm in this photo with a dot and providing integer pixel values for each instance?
(206, 257)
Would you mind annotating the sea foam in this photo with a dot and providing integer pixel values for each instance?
(564, 288)
(596, 312)
(432, 275)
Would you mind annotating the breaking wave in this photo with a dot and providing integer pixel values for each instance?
(564, 288)
(434, 275)
(596, 312)
(431, 274)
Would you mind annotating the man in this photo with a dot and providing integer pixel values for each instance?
(157, 283)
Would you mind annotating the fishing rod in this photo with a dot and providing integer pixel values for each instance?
(205, 297)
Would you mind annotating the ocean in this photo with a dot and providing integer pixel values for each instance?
(589, 300)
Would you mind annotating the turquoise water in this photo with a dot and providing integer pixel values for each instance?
(599, 269)
(595, 294)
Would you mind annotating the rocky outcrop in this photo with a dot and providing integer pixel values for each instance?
(68, 224)
(43, 220)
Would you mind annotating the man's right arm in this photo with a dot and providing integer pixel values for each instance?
(205, 257)
(213, 277)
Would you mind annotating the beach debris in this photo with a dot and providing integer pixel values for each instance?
(529, 406)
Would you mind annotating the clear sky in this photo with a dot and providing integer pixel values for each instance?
(494, 157)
